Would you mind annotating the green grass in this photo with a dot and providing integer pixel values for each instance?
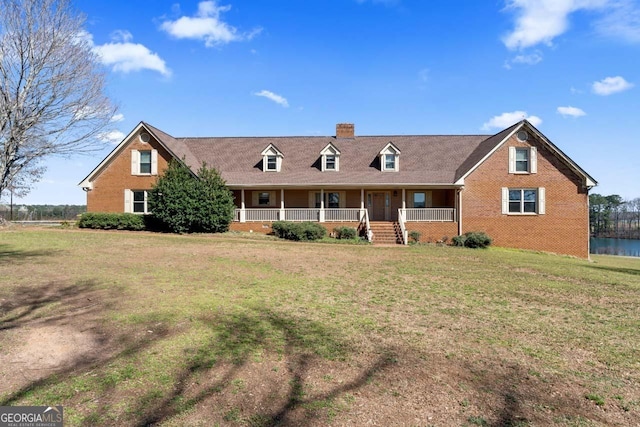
(232, 329)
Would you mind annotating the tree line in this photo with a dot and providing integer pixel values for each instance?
(41, 212)
(612, 216)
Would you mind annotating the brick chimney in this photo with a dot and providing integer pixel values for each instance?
(345, 130)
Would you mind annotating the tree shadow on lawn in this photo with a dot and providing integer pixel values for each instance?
(10, 255)
(630, 271)
(240, 337)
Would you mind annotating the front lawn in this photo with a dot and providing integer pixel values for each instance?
(135, 328)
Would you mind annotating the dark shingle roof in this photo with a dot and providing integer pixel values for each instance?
(425, 159)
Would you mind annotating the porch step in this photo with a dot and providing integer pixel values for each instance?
(386, 233)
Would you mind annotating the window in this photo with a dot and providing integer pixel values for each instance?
(523, 200)
(144, 162)
(389, 158)
(271, 159)
(135, 201)
(419, 200)
(330, 158)
(523, 160)
(140, 201)
(389, 162)
(264, 198)
(272, 163)
(332, 199)
(330, 162)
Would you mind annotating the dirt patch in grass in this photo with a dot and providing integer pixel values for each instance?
(144, 329)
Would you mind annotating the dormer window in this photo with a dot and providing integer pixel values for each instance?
(390, 158)
(272, 163)
(330, 158)
(271, 159)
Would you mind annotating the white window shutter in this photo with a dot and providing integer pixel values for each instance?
(135, 161)
(505, 200)
(512, 159)
(154, 162)
(128, 195)
(541, 201)
(533, 160)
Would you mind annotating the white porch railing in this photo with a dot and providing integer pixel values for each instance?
(257, 215)
(298, 214)
(430, 214)
(340, 215)
(343, 214)
(302, 214)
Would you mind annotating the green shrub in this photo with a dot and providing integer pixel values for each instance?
(415, 236)
(184, 203)
(112, 221)
(472, 239)
(298, 230)
(346, 233)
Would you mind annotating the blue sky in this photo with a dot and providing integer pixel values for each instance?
(293, 67)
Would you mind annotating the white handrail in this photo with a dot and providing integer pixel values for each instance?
(401, 220)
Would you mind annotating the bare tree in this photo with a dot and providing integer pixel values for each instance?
(52, 99)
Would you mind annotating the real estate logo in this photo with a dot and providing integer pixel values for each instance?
(31, 416)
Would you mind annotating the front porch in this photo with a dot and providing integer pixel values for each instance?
(357, 207)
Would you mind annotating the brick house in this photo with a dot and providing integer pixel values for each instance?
(515, 185)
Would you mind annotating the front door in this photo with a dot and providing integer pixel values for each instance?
(378, 205)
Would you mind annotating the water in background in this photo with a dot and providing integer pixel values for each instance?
(625, 247)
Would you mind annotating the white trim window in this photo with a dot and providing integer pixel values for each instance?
(135, 201)
(144, 162)
(271, 159)
(330, 158)
(523, 201)
(263, 199)
(523, 160)
(421, 199)
(389, 158)
(332, 199)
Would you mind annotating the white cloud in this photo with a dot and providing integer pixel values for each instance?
(505, 120)
(117, 118)
(571, 111)
(113, 136)
(540, 21)
(124, 56)
(610, 85)
(530, 59)
(622, 21)
(274, 97)
(206, 25)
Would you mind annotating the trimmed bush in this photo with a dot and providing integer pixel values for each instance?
(415, 236)
(298, 230)
(472, 239)
(184, 203)
(346, 233)
(112, 221)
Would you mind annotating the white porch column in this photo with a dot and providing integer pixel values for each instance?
(243, 213)
(321, 219)
(361, 203)
(282, 212)
(404, 200)
(459, 210)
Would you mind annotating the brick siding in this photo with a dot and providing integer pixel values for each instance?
(562, 229)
